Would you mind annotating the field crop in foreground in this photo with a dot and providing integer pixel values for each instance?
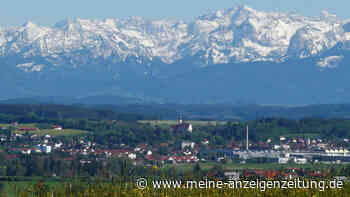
(42, 189)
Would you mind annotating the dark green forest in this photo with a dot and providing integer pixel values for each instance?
(232, 112)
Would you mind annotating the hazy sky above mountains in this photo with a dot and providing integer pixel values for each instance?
(46, 12)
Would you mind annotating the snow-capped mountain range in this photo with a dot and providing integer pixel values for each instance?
(263, 57)
(239, 34)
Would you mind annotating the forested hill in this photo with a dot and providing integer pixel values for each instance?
(37, 112)
(233, 112)
(133, 112)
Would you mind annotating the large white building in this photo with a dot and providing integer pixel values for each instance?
(43, 148)
(187, 144)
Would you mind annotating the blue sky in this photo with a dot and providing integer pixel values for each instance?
(47, 12)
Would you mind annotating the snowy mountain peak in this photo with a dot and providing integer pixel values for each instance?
(239, 34)
(246, 10)
(327, 15)
(30, 24)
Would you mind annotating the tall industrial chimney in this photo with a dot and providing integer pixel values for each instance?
(247, 139)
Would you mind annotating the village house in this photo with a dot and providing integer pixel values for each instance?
(27, 129)
(58, 145)
(205, 142)
(42, 148)
(182, 159)
(57, 128)
(132, 156)
(26, 151)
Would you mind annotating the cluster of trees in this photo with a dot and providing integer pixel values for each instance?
(31, 165)
(36, 165)
(55, 165)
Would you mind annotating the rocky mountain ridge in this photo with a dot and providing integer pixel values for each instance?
(235, 35)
